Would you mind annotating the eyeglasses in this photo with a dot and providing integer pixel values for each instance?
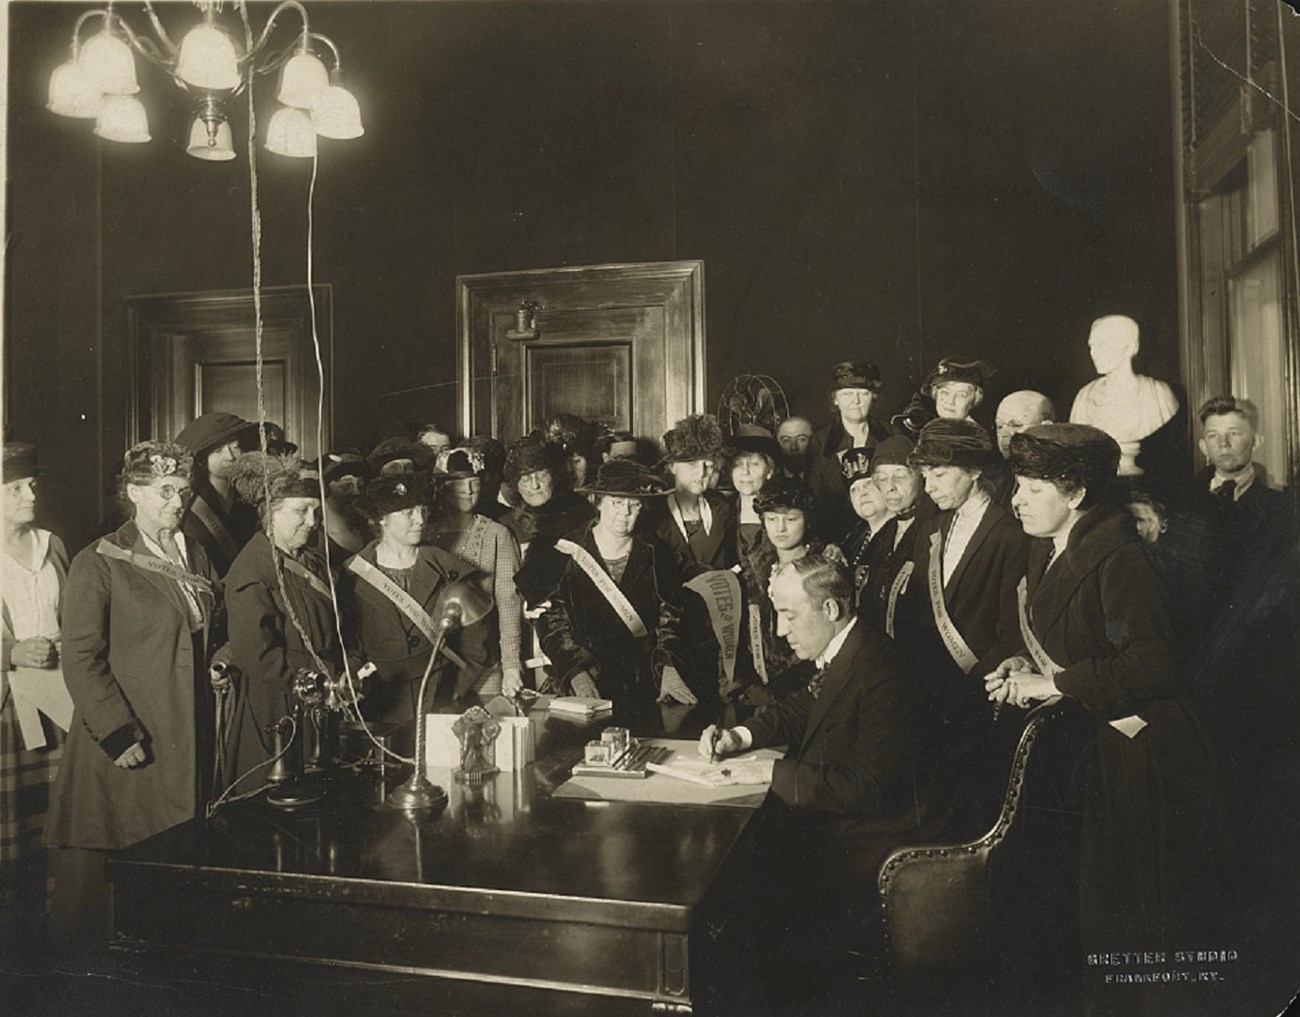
(169, 491)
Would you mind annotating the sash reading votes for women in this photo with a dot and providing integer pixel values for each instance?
(956, 646)
(1128, 726)
(604, 582)
(151, 564)
(204, 513)
(400, 599)
(895, 591)
(720, 591)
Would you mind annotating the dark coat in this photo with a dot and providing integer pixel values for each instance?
(376, 630)
(826, 477)
(718, 548)
(240, 523)
(1151, 823)
(267, 648)
(580, 631)
(853, 757)
(885, 561)
(981, 601)
(130, 663)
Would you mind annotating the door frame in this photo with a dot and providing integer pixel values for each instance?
(677, 286)
(153, 320)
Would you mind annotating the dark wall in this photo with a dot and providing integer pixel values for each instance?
(895, 180)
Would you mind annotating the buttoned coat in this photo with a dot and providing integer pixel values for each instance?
(1151, 822)
(130, 665)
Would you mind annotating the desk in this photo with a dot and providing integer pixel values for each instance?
(507, 902)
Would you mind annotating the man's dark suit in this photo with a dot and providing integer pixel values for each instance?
(853, 753)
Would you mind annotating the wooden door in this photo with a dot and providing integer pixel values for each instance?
(622, 345)
(195, 352)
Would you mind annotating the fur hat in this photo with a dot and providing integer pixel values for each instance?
(961, 443)
(753, 438)
(893, 451)
(202, 434)
(975, 372)
(530, 454)
(695, 437)
(399, 448)
(20, 461)
(1076, 454)
(856, 374)
(259, 474)
(625, 478)
(781, 494)
(394, 492)
(857, 464)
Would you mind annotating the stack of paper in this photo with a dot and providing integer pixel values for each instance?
(579, 706)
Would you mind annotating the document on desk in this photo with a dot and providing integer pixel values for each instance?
(692, 780)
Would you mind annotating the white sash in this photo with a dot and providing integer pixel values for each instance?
(604, 582)
(307, 576)
(952, 640)
(1128, 726)
(756, 641)
(401, 600)
(720, 591)
(150, 564)
(204, 513)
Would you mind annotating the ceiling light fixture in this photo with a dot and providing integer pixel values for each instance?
(99, 81)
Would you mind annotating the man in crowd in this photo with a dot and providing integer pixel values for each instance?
(1017, 412)
(793, 435)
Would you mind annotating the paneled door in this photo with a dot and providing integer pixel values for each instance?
(195, 352)
(619, 344)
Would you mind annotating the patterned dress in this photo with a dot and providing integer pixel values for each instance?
(30, 595)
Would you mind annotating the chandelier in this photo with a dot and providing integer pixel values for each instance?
(99, 80)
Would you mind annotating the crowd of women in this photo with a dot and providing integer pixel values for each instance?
(614, 574)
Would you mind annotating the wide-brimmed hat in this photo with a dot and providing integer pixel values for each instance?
(20, 461)
(342, 462)
(625, 478)
(461, 463)
(397, 448)
(857, 464)
(753, 438)
(974, 372)
(895, 450)
(1078, 453)
(394, 492)
(530, 454)
(781, 494)
(695, 437)
(962, 443)
(206, 432)
(856, 374)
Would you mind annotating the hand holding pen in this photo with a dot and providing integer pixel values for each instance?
(716, 742)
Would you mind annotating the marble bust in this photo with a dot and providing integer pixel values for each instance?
(1127, 406)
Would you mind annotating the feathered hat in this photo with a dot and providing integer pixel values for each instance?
(695, 437)
(257, 475)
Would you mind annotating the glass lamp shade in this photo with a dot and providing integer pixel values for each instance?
(207, 59)
(337, 115)
(291, 133)
(303, 81)
(211, 148)
(72, 95)
(108, 65)
(123, 119)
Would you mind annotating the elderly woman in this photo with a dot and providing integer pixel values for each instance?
(491, 548)
(892, 546)
(872, 510)
(391, 589)
(753, 464)
(1093, 628)
(959, 616)
(34, 567)
(609, 623)
(345, 530)
(855, 385)
(279, 603)
(546, 507)
(141, 614)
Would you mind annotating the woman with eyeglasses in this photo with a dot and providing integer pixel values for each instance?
(142, 614)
